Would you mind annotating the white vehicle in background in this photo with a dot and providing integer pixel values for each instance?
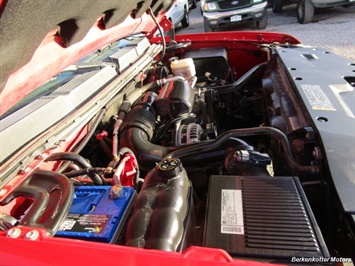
(179, 12)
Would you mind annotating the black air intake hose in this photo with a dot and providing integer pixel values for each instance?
(147, 153)
(137, 131)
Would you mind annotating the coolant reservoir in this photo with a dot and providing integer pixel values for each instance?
(163, 212)
(184, 67)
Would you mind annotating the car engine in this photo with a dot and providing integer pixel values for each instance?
(207, 146)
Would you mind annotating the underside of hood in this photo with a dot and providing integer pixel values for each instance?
(40, 38)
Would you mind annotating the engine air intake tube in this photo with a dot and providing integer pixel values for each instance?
(137, 131)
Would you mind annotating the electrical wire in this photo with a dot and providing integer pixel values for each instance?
(161, 34)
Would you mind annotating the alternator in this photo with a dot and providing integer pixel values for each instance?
(188, 134)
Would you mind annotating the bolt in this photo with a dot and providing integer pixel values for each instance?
(3, 191)
(32, 235)
(14, 232)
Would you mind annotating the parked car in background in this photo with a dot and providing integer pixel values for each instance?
(179, 13)
(306, 8)
(277, 5)
(222, 13)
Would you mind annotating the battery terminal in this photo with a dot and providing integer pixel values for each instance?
(116, 191)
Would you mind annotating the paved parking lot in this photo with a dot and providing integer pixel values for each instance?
(332, 29)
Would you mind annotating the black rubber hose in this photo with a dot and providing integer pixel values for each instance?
(85, 171)
(147, 153)
(77, 159)
(197, 150)
(240, 83)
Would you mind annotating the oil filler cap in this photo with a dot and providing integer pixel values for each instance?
(169, 168)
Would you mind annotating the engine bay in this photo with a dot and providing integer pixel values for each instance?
(209, 145)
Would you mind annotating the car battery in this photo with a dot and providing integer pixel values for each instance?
(94, 216)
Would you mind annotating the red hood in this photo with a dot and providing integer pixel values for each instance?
(41, 38)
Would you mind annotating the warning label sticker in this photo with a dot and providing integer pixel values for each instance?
(88, 223)
(232, 212)
(317, 98)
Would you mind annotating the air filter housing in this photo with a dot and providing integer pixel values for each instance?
(213, 60)
(266, 217)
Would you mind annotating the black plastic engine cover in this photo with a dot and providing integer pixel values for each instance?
(265, 217)
(212, 60)
(174, 99)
